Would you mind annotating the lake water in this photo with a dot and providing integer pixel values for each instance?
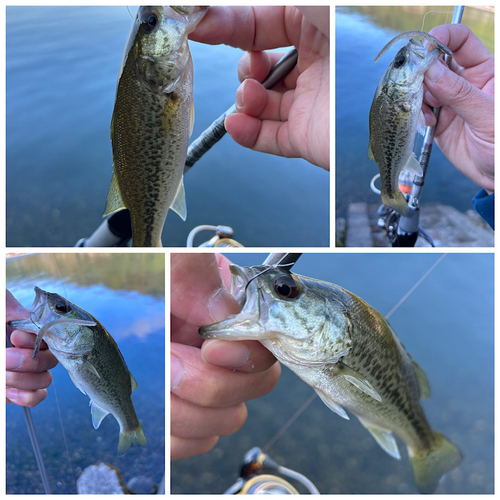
(62, 66)
(446, 325)
(360, 33)
(127, 294)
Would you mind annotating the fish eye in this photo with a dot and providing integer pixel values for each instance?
(399, 61)
(150, 21)
(287, 287)
(62, 307)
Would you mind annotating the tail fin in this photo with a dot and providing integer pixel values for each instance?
(431, 464)
(127, 439)
(397, 202)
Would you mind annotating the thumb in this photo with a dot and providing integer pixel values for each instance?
(466, 100)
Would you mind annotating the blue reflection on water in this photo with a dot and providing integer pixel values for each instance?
(137, 323)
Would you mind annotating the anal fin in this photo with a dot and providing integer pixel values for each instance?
(385, 439)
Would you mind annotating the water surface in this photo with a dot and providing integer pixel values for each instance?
(446, 325)
(126, 293)
(62, 66)
(360, 33)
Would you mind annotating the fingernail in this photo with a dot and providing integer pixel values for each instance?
(239, 96)
(244, 66)
(22, 311)
(225, 354)
(176, 372)
(12, 395)
(13, 360)
(435, 72)
(217, 304)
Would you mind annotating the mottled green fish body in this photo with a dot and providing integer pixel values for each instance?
(395, 117)
(92, 359)
(152, 120)
(348, 353)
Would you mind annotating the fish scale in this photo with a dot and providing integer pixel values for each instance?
(152, 120)
(395, 116)
(92, 359)
(348, 353)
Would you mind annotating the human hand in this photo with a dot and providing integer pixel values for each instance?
(292, 119)
(26, 378)
(465, 131)
(207, 398)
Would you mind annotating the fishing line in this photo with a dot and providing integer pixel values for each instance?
(414, 287)
(54, 384)
(296, 415)
(435, 12)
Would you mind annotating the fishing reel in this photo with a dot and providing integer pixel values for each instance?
(401, 231)
(253, 480)
(221, 239)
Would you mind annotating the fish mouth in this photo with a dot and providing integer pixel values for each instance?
(246, 325)
(38, 306)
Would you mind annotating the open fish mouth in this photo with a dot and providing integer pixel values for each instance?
(247, 324)
(38, 307)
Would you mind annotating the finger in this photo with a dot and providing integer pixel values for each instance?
(467, 101)
(28, 381)
(467, 49)
(184, 448)
(264, 136)
(254, 100)
(198, 294)
(195, 422)
(246, 355)
(185, 333)
(249, 28)
(25, 340)
(20, 360)
(25, 398)
(319, 17)
(14, 310)
(211, 386)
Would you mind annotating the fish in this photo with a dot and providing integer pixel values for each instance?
(91, 357)
(152, 120)
(348, 353)
(396, 115)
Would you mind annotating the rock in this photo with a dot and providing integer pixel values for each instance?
(101, 479)
(358, 233)
(142, 485)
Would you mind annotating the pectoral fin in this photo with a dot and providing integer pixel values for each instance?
(114, 201)
(179, 204)
(384, 439)
(421, 124)
(90, 367)
(335, 407)
(98, 414)
(360, 382)
(413, 165)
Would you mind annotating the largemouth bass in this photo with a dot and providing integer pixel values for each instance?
(153, 120)
(91, 357)
(396, 115)
(348, 353)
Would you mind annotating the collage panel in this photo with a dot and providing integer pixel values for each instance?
(136, 78)
(408, 174)
(386, 338)
(100, 317)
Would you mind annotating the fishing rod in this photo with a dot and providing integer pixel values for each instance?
(403, 231)
(116, 230)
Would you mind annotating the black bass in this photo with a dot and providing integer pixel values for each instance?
(348, 353)
(91, 357)
(153, 120)
(396, 116)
